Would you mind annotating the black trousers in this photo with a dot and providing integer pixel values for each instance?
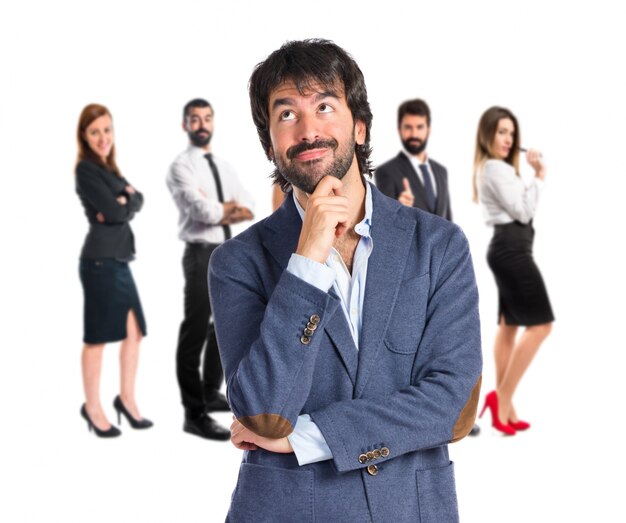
(197, 335)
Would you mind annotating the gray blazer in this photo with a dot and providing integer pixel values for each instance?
(387, 410)
(389, 181)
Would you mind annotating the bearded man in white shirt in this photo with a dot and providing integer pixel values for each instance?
(209, 198)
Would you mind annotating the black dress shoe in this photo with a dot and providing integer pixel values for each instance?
(217, 403)
(206, 427)
(475, 431)
(142, 423)
(110, 433)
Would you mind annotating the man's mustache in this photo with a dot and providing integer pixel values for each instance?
(295, 150)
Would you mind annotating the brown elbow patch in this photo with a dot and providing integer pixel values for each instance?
(466, 419)
(267, 425)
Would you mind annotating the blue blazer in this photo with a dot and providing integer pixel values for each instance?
(387, 410)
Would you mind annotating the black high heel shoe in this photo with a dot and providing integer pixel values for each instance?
(142, 423)
(110, 433)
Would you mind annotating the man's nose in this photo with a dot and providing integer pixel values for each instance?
(308, 128)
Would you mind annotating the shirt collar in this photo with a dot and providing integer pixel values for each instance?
(363, 228)
(197, 151)
(413, 159)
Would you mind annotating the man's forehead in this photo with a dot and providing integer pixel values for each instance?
(312, 87)
(200, 111)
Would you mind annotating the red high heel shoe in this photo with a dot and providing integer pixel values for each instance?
(519, 424)
(491, 402)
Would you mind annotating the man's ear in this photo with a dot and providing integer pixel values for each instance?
(360, 131)
(185, 125)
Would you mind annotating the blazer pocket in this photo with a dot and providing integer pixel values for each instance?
(268, 494)
(407, 318)
(436, 493)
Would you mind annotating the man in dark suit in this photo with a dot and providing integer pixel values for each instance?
(411, 177)
(356, 354)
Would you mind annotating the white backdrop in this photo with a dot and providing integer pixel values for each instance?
(557, 68)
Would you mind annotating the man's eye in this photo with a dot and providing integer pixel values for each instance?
(325, 108)
(287, 115)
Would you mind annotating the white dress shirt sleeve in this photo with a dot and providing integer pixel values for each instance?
(307, 442)
(518, 200)
(243, 197)
(189, 198)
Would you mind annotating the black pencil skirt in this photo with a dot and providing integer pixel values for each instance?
(522, 295)
(110, 293)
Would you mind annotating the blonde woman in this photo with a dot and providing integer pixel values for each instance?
(509, 205)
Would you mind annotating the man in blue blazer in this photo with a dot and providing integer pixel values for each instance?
(347, 323)
(412, 177)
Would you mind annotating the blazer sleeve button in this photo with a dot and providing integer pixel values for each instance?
(370, 456)
(314, 319)
(305, 340)
(384, 452)
(376, 453)
(372, 470)
(308, 332)
(362, 459)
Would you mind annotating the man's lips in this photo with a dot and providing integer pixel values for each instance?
(311, 154)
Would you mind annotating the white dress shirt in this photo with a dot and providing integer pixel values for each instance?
(416, 167)
(191, 182)
(504, 196)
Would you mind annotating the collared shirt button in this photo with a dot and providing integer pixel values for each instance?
(372, 470)
(314, 319)
(305, 340)
(384, 452)
(362, 459)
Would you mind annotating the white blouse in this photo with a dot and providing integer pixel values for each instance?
(504, 195)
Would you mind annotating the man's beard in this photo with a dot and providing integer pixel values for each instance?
(200, 141)
(415, 145)
(307, 178)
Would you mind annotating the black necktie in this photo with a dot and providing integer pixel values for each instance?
(218, 188)
(431, 199)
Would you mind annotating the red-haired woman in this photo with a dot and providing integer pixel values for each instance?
(112, 310)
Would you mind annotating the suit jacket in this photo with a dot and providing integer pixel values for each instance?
(387, 410)
(389, 181)
(98, 189)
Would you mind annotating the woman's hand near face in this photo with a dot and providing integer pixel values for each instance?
(535, 160)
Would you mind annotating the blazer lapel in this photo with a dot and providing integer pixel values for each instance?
(391, 233)
(441, 200)
(281, 239)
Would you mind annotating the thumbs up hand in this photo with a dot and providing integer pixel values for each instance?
(406, 196)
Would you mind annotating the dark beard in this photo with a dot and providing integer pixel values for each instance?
(200, 141)
(306, 180)
(413, 147)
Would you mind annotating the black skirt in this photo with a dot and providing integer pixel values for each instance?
(110, 293)
(522, 295)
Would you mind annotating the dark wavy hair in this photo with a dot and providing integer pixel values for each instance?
(308, 63)
(414, 107)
